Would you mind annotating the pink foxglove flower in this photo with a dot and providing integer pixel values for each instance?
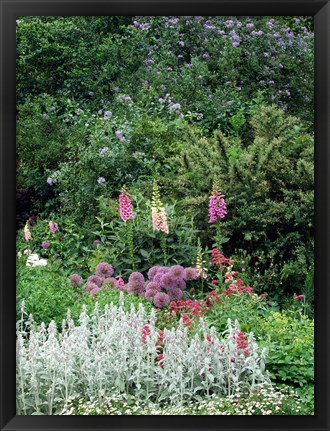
(27, 233)
(158, 213)
(217, 206)
(53, 227)
(125, 206)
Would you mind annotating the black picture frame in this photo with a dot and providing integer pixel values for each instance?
(9, 10)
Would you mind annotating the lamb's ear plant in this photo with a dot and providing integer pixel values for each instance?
(115, 351)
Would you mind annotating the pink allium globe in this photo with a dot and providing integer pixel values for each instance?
(104, 270)
(161, 299)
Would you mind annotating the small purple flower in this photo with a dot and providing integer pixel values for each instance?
(100, 111)
(175, 107)
(181, 43)
(161, 299)
(230, 102)
(45, 244)
(107, 113)
(206, 55)
(101, 181)
(229, 23)
(260, 33)
(235, 44)
(51, 181)
(249, 25)
(91, 93)
(104, 270)
(65, 120)
(96, 242)
(75, 280)
(120, 135)
(104, 150)
(270, 24)
(116, 89)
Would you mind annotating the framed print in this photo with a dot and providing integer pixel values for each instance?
(165, 218)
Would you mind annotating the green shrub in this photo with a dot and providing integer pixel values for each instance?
(268, 183)
(289, 339)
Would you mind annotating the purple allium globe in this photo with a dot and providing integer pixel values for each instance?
(93, 292)
(181, 284)
(135, 287)
(45, 244)
(150, 293)
(152, 285)
(163, 270)
(95, 279)
(110, 282)
(190, 274)
(158, 277)
(75, 280)
(90, 286)
(177, 271)
(136, 277)
(153, 271)
(161, 299)
(104, 270)
(175, 294)
(168, 281)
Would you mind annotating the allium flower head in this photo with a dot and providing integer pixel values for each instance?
(27, 233)
(75, 280)
(150, 293)
(177, 271)
(110, 282)
(136, 283)
(190, 274)
(175, 294)
(125, 205)
(136, 277)
(153, 271)
(104, 270)
(45, 244)
(217, 205)
(95, 279)
(153, 286)
(90, 287)
(168, 281)
(161, 299)
(158, 213)
(53, 227)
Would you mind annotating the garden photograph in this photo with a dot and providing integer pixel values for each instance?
(164, 215)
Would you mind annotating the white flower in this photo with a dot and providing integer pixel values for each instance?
(33, 260)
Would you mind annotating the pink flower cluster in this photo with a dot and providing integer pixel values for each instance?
(27, 233)
(217, 206)
(237, 286)
(53, 227)
(159, 219)
(242, 343)
(125, 205)
(220, 260)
